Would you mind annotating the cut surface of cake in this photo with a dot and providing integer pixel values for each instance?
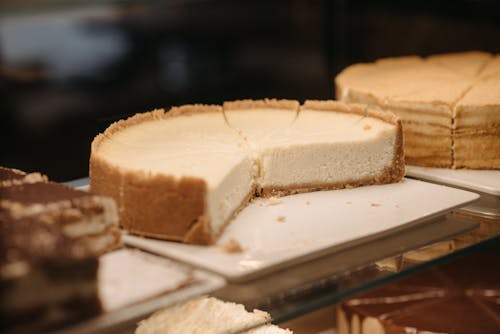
(327, 145)
(208, 315)
(429, 94)
(182, 175)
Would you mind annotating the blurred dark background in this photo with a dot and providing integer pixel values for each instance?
(70, 68)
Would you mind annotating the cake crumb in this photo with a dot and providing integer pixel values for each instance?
(281, 219)
(367, 127)
(348, 202)
(269, 201)
(232, 246)
(375, 205)
(308, 203)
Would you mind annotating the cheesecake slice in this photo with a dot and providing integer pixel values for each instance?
(327, 145)
(89, 218)
(182, 175)
(179, 175)
(432, 96)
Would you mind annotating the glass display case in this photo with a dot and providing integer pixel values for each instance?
(68, 69)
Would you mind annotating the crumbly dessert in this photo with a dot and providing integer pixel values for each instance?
(208, 315)
(449, 105)
(460, 296)
(182, 175)
(51, 236)
(10, 176)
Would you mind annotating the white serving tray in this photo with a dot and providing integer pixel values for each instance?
(133, 284)
(274, 234)
(485, 181)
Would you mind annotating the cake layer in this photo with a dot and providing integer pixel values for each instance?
(50, 238)
(332, 145)
(479, 109)
(478, 151)
(184, 174)
(76, 213)
(439, 95)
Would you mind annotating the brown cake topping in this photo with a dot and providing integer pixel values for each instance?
(42, 193)
(461, 296)
(10, 174)
(10, 177)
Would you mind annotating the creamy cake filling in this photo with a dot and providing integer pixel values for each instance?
(320, 148)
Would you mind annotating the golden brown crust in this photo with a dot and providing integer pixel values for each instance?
(391, 174)
(185, 110)
(173, 206)
(260, 104)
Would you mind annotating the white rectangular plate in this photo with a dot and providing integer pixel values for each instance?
(133, 284)
(130, 276)
(295, 228)
(486, 181)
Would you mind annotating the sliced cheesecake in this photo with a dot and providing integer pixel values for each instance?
(429, 96)
(327, 145)
(183, 174)
(179, 175)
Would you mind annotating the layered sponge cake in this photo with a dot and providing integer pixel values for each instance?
(183, 174)
(50, 240)
(449, 105)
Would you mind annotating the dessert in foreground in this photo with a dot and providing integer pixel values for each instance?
(10, 176)
(460, 296)
(209, 315)
(449, 105)
(51, 236)
(183, 174)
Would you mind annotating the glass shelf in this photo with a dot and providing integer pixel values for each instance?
(301, 289)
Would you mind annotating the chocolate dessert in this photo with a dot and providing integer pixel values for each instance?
(10, 176)
(51, 237)
(461, 296)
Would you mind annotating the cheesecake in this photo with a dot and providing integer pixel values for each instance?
(179, 175)
(208, 315)
(319, 145)
(448, 105)
(184, 174)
